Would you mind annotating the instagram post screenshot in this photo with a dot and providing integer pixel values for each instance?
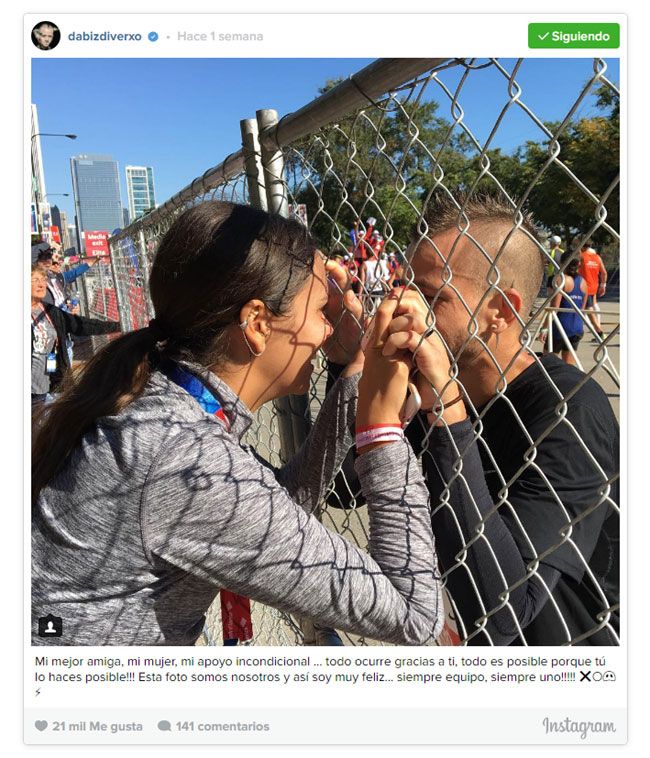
(327, 350)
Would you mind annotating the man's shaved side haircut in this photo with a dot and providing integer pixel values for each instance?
(489, 220)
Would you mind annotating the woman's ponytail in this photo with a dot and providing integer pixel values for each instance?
(214, 258)
(111, 380)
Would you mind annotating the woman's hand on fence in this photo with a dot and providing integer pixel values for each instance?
(383, 385)
(345, 312)
(411, 332)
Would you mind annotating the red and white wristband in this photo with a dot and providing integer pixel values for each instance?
(368, 435)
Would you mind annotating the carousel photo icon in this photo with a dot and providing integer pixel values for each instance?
(50, 626)
(46, 35)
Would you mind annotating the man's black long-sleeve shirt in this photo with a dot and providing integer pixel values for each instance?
(524, 507)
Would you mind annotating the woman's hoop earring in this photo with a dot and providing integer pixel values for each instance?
(243, 326)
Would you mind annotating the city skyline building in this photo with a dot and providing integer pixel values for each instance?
(56, 220)
(38, 177)
(72, 237)
(97, 198)
(140, 190)
(65, 235)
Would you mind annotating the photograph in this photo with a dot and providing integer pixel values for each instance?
(46, 35)
(325, 352)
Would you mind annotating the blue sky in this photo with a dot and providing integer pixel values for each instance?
(181, 116)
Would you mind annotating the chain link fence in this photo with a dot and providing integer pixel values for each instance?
(360, 166)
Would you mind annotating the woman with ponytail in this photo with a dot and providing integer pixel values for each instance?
(146, 502)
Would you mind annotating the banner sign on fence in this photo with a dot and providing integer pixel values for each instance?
(96, 243)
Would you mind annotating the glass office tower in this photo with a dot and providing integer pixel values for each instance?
(96, 188)
(139, 187)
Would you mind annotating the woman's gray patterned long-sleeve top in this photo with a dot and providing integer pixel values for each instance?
(161, 506)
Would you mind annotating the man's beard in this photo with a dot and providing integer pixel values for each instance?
(465, 350)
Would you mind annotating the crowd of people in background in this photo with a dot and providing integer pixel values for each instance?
(55, 319)
(373, 270)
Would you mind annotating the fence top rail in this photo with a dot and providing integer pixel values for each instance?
(358, 90)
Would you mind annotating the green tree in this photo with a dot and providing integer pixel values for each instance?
(385, 162)
(377, 163)
(590, 149)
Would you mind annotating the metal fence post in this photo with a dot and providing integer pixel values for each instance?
(273, 163)
(102, 288)
(253, 163)
(144, 267)
(125, 322)
(294, 417)
(84, 299)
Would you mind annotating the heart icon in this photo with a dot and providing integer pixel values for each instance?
(40, 725)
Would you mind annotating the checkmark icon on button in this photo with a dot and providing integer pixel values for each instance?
(565, 36)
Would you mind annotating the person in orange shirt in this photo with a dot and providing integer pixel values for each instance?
(593, 270)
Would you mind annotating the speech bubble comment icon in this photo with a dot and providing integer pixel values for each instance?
(164, 726)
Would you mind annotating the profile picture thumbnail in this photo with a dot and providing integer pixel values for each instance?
(46, 35)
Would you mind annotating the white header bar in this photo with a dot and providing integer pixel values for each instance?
(314, 35)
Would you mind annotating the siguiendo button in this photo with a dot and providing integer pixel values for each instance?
(572, 36)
